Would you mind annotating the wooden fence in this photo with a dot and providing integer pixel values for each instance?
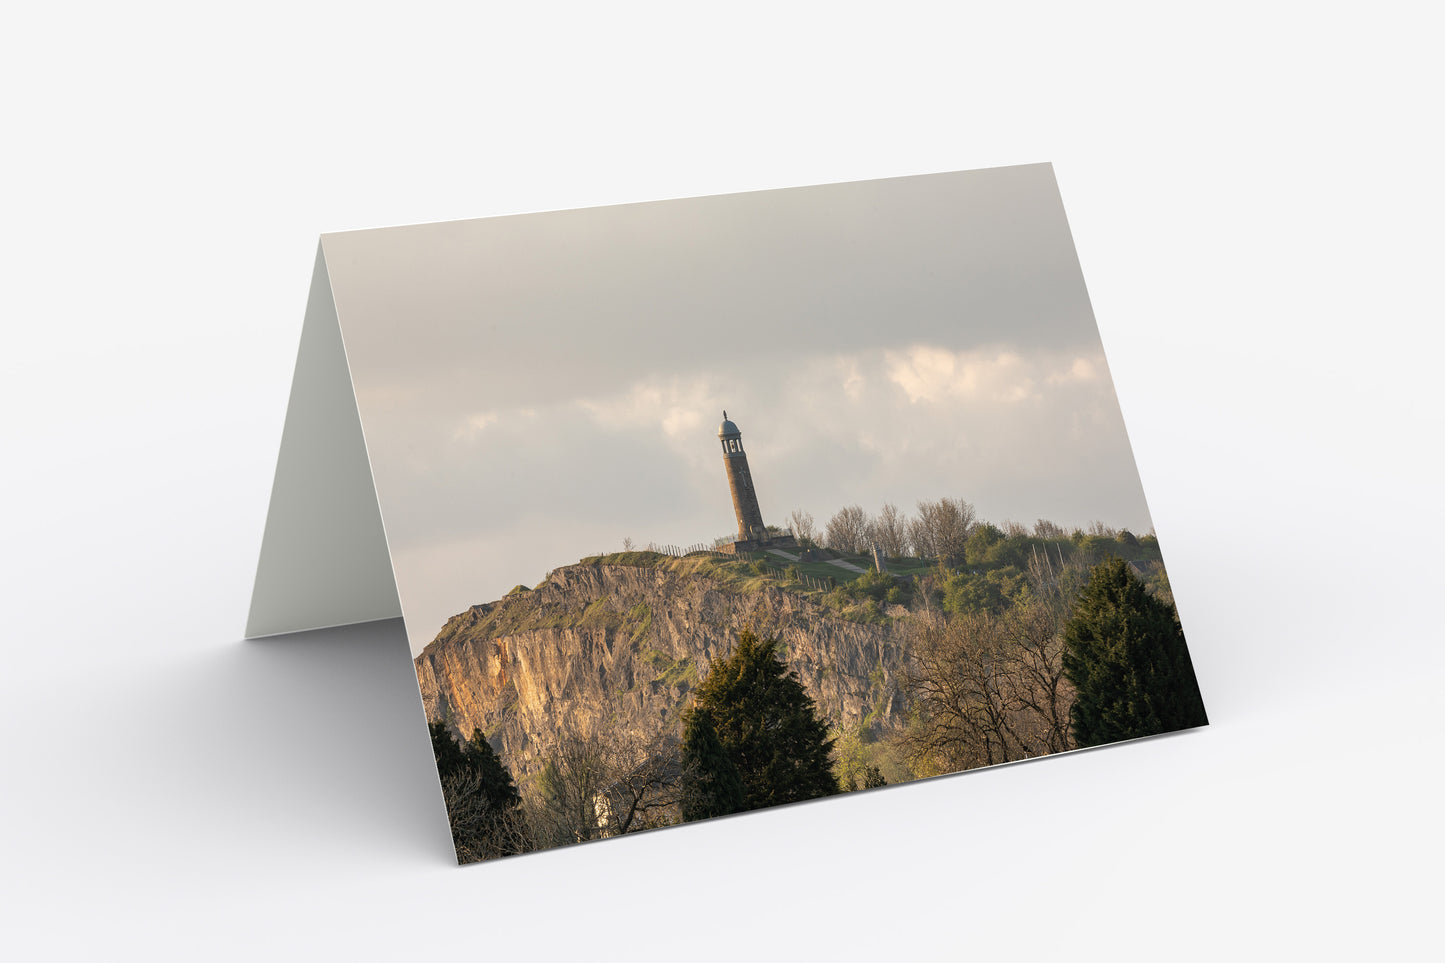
(823, 583)
(679, 551)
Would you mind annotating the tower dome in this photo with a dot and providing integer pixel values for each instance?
(727, 427)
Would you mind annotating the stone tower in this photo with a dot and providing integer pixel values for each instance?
(740, 481)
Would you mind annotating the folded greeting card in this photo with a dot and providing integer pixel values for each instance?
(702, 506)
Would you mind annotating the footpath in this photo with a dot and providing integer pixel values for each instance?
(846, 566)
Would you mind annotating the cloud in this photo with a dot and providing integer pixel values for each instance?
(870, 425)
(475, 424)
(853, 381)
(935, 375)
(679, 409)
(502, 493)
(1082, 369)
(1000, 376)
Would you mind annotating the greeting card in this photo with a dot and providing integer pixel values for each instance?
(698, 507)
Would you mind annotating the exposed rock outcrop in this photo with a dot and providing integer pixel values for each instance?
(621, 647)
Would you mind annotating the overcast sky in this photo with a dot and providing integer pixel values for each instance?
(539, 387)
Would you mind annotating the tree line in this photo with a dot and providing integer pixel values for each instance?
(1067, 652)
(947, 529)
(1079, 656)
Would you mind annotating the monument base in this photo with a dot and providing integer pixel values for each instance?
(744, 545)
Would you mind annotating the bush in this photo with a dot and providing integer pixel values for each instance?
(871, 585)
(984, 537)
(990, 592)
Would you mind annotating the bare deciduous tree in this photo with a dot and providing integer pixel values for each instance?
(565, 810)
(942, 529)
(597, 785)
(803, 527)
(953, 680)
(1043, 695)
(479, 829)
(848, 530)
(920, 539)
(1043, 528)
(646, 788)
(987, 689)
(890, 530)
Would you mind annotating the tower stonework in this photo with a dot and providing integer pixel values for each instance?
(740, 482)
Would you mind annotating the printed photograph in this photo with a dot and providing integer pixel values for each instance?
(703, 506)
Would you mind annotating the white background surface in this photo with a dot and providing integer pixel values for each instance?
(1254, 193)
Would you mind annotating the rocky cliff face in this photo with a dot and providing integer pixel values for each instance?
(620, 648)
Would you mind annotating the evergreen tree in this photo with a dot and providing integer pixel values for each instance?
(477, 755)
(501, 790)
(767, 725)
(482, 800)
(711, 784)
(1124, 652)
(450, 756)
